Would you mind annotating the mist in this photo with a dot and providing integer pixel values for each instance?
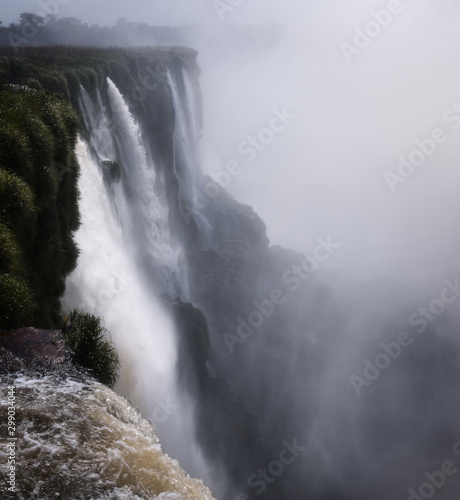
(345, 143)
(355, 116)
(325, 174)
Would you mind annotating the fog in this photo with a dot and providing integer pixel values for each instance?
(332, 172)
(353, 138)
(160, 12)
(325, 174)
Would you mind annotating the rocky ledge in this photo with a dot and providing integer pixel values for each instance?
(31, 348)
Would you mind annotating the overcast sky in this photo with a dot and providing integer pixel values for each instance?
(159, 12)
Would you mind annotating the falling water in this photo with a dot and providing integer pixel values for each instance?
(187, 162)
(126, 260)
(147, 216)
(107, 283)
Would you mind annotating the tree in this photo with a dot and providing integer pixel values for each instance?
(28, 18)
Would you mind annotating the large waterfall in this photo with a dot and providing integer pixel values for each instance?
(127, 259)
(260, 370)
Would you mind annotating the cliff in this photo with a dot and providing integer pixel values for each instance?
(233, 373)
(266, 338)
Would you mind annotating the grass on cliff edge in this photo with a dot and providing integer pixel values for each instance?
(91, 346)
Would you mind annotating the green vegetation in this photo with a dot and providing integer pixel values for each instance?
(16, 301)
(39, 121)
(38, 167)
(91, 346)
(38, 205)
(62, 70)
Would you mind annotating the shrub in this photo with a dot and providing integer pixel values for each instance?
(15, 155)
(91, 346)
(17, 303)
(33, 83)
(73, 83)
(11, 256)
(16, 200)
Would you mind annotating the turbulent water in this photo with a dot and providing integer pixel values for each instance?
(83, 441)
(127, 259)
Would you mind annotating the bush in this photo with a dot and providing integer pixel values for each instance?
(11, 260)
(15, 154)
(33, 83)
(91, 346)
(73, 83)
(38, 197)
(17, 304)
(16, 200)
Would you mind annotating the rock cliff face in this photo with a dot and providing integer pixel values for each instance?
(225, 430)
(33, 347)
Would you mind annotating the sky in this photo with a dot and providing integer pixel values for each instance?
(159, 12)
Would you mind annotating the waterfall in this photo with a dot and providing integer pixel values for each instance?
(147, 218)
(126, 260)
(187, 165)
(107, 283)
(98, 125)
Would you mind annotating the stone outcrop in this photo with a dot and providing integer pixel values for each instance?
(33, 347)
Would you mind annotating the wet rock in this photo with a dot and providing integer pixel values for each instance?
(111, 170)
(9, 363)
(31, 346)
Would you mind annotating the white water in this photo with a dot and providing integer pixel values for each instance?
(187, 162)
(185, 149)
(96, 445)
(98, 124)
(146, 220)
(124, 244)
(107, 283)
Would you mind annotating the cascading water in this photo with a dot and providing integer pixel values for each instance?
(187, 161)
(147, 216)
(97, 124)
(303, 380)
(126, 260)
(107, 283)
(94, 442)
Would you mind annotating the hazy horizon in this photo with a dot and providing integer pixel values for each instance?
(172, 13)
